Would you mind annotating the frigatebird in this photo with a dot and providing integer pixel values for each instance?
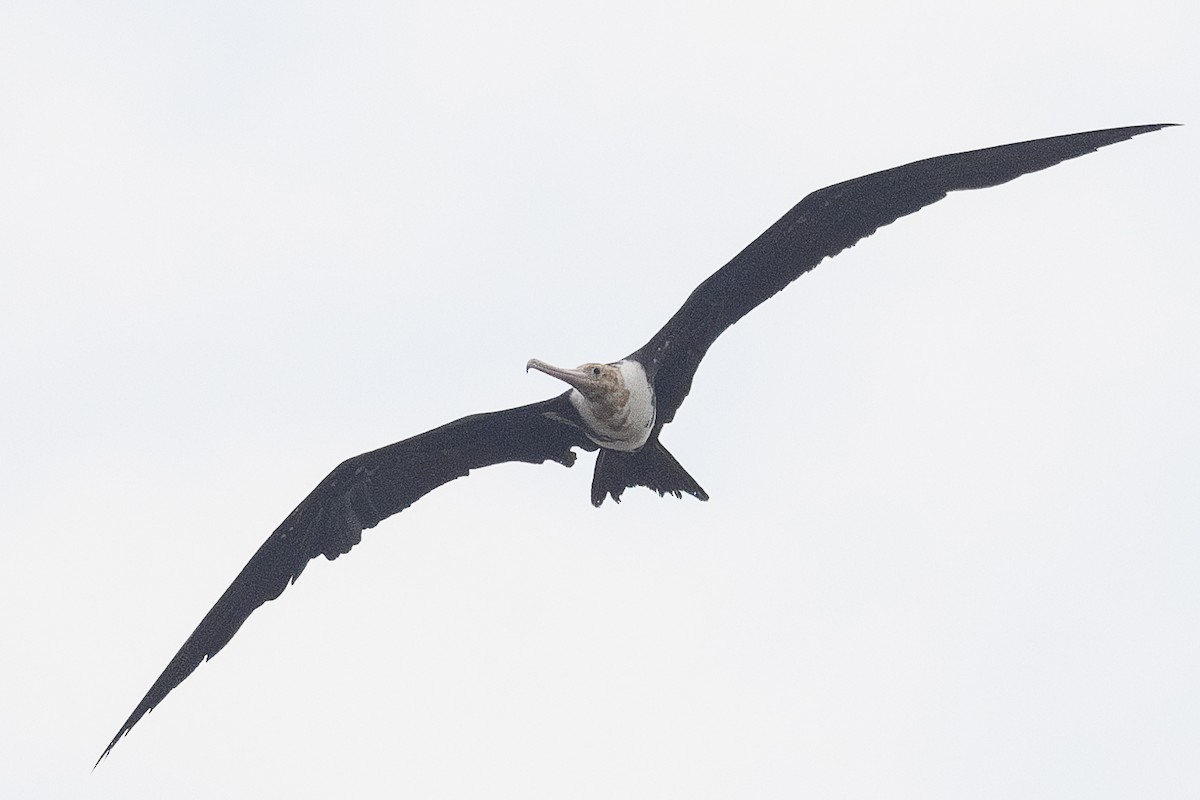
(619, 407)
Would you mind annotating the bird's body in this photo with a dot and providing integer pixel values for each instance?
(618, 408)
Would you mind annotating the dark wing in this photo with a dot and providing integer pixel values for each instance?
(357, 495)
(824, 224)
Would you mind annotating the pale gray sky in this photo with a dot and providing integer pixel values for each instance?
(953, 545)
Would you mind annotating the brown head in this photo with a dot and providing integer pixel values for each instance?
(615, 401)
(600, 383)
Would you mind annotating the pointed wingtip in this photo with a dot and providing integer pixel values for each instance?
(1158, 127)
(108, 749)
(143, 708)
(1138, 130)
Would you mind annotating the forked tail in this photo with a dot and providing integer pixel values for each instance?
(652, 467)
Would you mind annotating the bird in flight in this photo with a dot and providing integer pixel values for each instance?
(618, 408)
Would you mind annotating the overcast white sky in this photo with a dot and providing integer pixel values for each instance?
(953, 545)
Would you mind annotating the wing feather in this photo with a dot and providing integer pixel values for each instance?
(358, 494)
(824, 224)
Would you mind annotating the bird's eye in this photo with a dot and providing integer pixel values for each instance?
(596, 371)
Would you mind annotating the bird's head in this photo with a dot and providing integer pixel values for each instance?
(594, 381)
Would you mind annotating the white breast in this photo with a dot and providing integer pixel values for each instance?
(625, 426)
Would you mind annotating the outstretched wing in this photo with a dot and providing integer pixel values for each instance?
(357, 495)
(824, 224)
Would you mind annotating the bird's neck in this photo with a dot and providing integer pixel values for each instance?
(622, 417)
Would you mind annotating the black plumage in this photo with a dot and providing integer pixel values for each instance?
(366, 489)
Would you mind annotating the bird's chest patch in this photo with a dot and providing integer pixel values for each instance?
(622, 418)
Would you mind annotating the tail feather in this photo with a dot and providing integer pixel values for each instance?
(652, 467)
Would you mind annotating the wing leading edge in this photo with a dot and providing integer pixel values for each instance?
(824, 224)
(358, 494)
